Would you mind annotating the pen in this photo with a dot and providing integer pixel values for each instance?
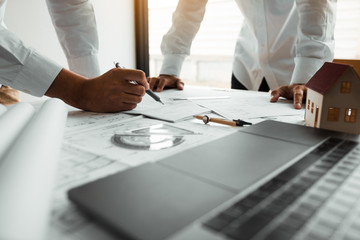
(151, 93)
(206, 119)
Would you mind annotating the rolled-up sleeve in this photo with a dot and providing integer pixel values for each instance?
(176, 43)
(23, 68)
(75, 25)
(315, 43)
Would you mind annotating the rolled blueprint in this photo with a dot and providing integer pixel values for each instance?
(27, 174)
(12, 122)
(2, 109)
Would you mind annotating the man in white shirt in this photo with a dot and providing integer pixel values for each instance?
(282, 41)
(25, 69)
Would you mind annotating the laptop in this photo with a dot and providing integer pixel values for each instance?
(272, 180)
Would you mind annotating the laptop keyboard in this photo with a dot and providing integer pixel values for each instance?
(309, 196)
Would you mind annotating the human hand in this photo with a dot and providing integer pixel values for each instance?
(9, 95)
(158, 84)
(297, 92)
(110, 92)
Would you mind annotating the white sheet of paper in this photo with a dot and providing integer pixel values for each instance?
(249, 105)
(171, 111)
(199, 98)
(83, 121)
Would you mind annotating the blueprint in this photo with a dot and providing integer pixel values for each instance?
(171, 110)
(250, 105)
(2, 109)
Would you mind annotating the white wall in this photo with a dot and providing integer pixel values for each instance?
(115, 20)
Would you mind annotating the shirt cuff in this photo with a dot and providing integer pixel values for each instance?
(87, 66)
(36, 75)
(172, 64)
(305, 69)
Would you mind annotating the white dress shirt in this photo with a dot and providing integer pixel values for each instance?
(25, 69)
(285, 41)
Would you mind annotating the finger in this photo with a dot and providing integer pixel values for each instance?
(133, 89)
(304, 93)
(127, 98)
(135, 75)
(129, 106)
(153, 83)
(275, 96)
(180, 85)
(124, 97)
(126, 106)
(144, 83)
(298, 96)
(161, 85)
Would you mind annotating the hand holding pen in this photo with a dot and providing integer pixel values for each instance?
(149, 92)
(109, 92)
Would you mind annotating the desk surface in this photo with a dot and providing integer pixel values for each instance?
(88, 152)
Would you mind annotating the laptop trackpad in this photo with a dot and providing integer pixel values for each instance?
(149, 201)
(235, 161)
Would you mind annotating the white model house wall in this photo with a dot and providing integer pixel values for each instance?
(314, 103)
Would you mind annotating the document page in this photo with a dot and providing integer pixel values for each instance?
(171, 111)
(253, 106)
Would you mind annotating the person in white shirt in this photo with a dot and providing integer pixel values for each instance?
(281, 45)
(82, 86)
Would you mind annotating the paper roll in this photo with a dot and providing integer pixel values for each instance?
(2, 109)
(12, 123)
(27, 175)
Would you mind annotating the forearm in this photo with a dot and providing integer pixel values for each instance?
(176, 43)
(315, 43)
(23, 68)
(75, 25)
(67, 86)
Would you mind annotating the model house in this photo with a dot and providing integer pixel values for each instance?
(333, 97)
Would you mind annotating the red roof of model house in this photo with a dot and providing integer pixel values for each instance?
(327, 75)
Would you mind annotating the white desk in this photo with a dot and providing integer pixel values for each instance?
(88, 153)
